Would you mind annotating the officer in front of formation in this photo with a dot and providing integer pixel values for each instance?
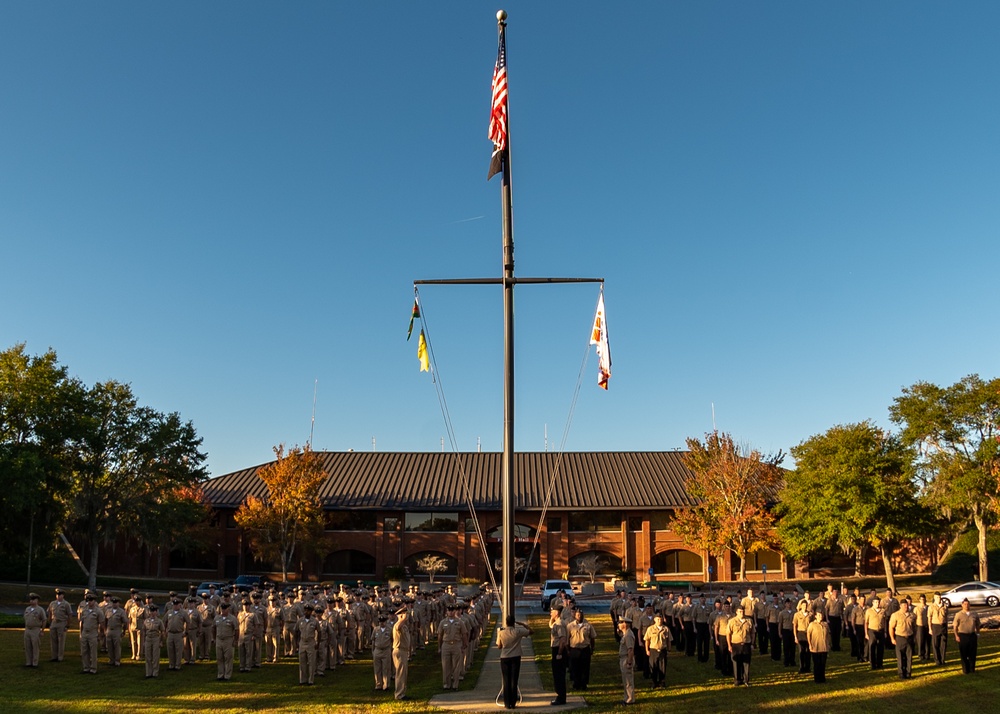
(34, 621)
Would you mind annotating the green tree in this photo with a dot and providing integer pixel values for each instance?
(290, 518)
(734, 487)
(955, 431)
(133, 462)
(852, 488)
(39, 425)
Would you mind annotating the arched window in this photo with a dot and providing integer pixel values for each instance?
(349, 562)
(520, 531)
(677, 561)
(443, 565)
(593, 563)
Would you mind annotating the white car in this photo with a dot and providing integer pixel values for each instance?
(551, 587)
(978, 593)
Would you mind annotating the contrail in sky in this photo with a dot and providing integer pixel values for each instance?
(466, 220)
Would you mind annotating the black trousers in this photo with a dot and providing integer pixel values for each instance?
(836, 623)
(788, 645)
(658, 666)
(689, 638)
(967, 646)
(805, 661)
(702, 640)
(939, 640)
(579, 666)
(859, 634)
(510, 672)
(774, 634)
(904, 656)
(741, 662)
(762, 638)
(922, 645)
(559, 674)
(876, 648)
(853, 636)
(819, 667)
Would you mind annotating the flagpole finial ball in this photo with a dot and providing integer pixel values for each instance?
(501, 15)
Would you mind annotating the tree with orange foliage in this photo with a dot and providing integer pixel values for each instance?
(735, 487)
(291, 516)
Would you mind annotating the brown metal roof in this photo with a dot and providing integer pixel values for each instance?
(423, 481)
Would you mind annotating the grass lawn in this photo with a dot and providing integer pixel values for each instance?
(693, 686)
(58, 687)
(850, 687)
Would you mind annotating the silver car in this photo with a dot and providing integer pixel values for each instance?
(978, 593)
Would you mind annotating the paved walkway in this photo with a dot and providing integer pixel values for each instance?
(485, 696)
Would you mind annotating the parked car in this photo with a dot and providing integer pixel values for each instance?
(246, 583)
(203, 588)
(551, 587)
(978, 593)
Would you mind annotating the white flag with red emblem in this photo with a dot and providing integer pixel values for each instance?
(599, 337)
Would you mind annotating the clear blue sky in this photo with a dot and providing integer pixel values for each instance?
(795, 207)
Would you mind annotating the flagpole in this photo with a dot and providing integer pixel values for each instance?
(508, 604)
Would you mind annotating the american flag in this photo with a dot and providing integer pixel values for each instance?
(498, 112)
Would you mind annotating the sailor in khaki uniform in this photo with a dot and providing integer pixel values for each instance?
(937, 619)
(206, 615)
(819, 640)
(60, 613)
(308, 640)
(452, 639)
(382, 653)
(91, 623)
(402, 640)
(626, 661)
(175, 622)
(227, 634)
(966, 626)
(152, 635)
(115, 627)
(739, 640)
(34, 621)
(902, 630)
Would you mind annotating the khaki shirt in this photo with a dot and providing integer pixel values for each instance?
(818, 637)
(581, 634)
(657, 638)
(34, 617)
(381, 638)
(874, 619)
(558, 637)
(903, 624)
(626, 648)
(402, 632)
(509, 640)
(965, 623)
(937, 614)
(740, 631)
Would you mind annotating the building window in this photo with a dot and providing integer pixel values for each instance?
(350, 520)
(595, 521)
(194, 560)
(437, 522)
(349, 562)
(661, 520)
(231, 520)
(677, 561)
(635, 523)
(764, 557)
(594, 563)
(449, 565)
(391, 523)
(554, 524)
(520, 531)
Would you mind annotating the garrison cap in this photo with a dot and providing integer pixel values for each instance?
(32, 596)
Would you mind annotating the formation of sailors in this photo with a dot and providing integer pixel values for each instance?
(322, 627)
(798, 630)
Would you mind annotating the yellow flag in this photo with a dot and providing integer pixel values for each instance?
(425, 362)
